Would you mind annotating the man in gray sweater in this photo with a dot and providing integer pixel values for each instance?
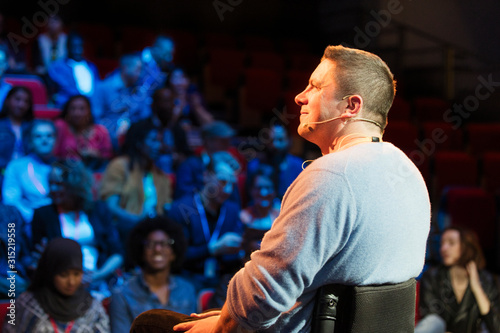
(359, 215)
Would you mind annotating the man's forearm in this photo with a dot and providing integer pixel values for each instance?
(227, 324)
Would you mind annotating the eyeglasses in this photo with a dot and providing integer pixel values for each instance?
(150, 245)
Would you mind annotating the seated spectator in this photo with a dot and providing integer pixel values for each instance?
(174, 145)
(459, 295)
(78, 138)
(132, 186)
(16, 50)
(56, 300)
(121, 100)
(26, 183)
(264, 210)
(157, 61)
(157, 246)
(189, 109)
(276, 153)
(73, 75)
(73, 215)
(216, 137)
(50, 45)
(15, 120)
(211, 223)
(250, 243)
(11, 223)
(4, 64)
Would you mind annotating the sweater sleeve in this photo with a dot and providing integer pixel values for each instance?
(318, 216)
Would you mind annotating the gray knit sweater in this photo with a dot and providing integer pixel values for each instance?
(359, 216)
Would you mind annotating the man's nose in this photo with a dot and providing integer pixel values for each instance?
(301, 99)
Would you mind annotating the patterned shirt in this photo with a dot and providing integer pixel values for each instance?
(30, 317)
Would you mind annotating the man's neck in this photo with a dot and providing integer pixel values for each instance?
(352, 134)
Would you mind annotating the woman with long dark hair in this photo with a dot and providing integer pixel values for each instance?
(459, 295)
(132, 185)
(78, 137)
(15, 119)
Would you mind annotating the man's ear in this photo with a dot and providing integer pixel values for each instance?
(354, 104)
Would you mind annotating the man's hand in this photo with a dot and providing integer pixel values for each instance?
(205, 325)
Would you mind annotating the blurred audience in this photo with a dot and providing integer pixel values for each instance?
(276, 153)
(132, 184)
(15, 119)
(74, 215)
(73, 75)
(211, 223)
(79, 138)
(16, 50)
(158, 63)
(121, 99)
(26, 184)
(190, 174)
(250, 243)
(157, 246)
(264, 209)
(459, 295)
(4, 64)
(190, 111)
(12, 227)
(56, 300)
(50, 45)
(174, 147)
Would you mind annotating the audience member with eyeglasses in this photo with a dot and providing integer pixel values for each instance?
(157, 247)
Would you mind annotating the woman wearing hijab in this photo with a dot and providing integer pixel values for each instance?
(56, 300)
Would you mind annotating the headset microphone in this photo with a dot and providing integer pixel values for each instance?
(347, 119)
(321, 122)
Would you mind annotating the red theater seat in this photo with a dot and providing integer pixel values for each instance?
(136, 38)
(220, 41)
(484, 137)
(400, 110)
(441, 136)
(262, 89)
(402, 134)
(430, 109)
(270, 60)
(491, 172)
(33, 83)
(454, 169)
(225, 67)
(45, 112)
(473, 208)
(3, 311)
(106, 66)
(204, 298)
(257, 43)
